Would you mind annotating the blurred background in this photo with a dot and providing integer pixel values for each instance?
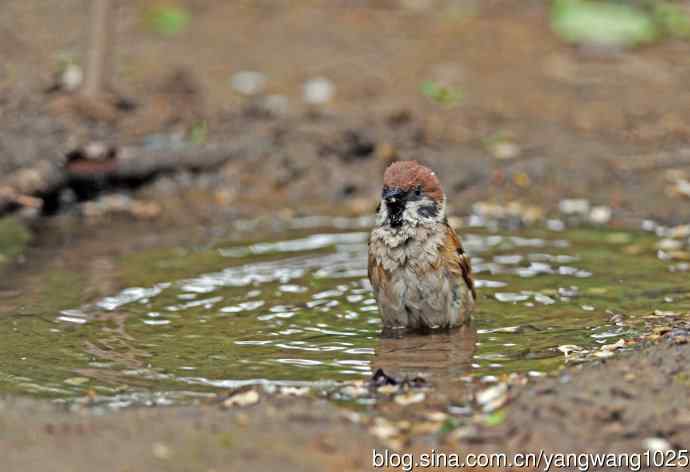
(523, 103)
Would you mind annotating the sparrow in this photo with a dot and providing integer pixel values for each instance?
(420, 274)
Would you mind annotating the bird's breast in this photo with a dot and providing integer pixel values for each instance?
(416, 249)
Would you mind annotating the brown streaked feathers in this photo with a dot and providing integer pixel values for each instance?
(451, 254)
(461, 259)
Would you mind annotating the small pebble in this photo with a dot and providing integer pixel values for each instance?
(463, 433)
(600, 215)
(76, 381)
(409, 398)
(656, 444)
(318, 91)
(555, 225)
(505, 150)
(387, 389)
(669, 245)
(276, 105)
(72, 77)
(680, 267)
(574, 206)
(436, 416)
(544, 299)
(568, 348)
(161, 451)
(679, 232)
(683, 187)
(294, 391)
(510, 297)
(383, 429)
(493, 398)
(246, 398)
(354, 391)
(248, 82)
(648, 225)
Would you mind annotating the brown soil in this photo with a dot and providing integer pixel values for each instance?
(289, 434)
(605, 126)
(611, 407)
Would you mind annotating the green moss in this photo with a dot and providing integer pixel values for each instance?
(600, 22)
(683, 378)
(14, 238)
(225, 440)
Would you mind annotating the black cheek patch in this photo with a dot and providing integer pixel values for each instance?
(428, 211)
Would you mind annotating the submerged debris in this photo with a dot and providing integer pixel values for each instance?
(355, 390)
(294, 391)
(242, 398)
(568, 349)
(380, 378)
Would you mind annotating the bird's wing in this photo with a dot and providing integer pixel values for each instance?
(376, 273)
(459, 261)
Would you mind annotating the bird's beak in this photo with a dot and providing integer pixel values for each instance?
(393, 195)
(395, 202)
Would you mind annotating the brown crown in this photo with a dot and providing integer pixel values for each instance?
(407, 175)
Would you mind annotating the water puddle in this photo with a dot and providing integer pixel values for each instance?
(297, 310)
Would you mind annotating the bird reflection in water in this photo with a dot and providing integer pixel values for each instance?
(443, 358)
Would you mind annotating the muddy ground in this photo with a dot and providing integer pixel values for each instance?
(609, 126)
(619, 406)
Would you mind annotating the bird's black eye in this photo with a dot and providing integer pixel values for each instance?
(418, 190)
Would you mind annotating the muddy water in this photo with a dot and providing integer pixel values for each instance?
(296, 309)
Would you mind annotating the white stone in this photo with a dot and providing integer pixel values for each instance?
(656, 444)
(574, 206)
(248, 82)
(277, 105)
(72, 77)
(318, 91)
(600, 215)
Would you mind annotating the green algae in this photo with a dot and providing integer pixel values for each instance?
(14, 238)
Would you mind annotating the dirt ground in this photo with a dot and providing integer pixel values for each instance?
(292, 434)
(614, 407)
(608, 126)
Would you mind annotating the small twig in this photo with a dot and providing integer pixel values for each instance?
(99, 49)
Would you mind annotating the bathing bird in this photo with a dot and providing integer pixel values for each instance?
(420, 274)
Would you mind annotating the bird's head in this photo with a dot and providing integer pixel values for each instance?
(411, 195)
